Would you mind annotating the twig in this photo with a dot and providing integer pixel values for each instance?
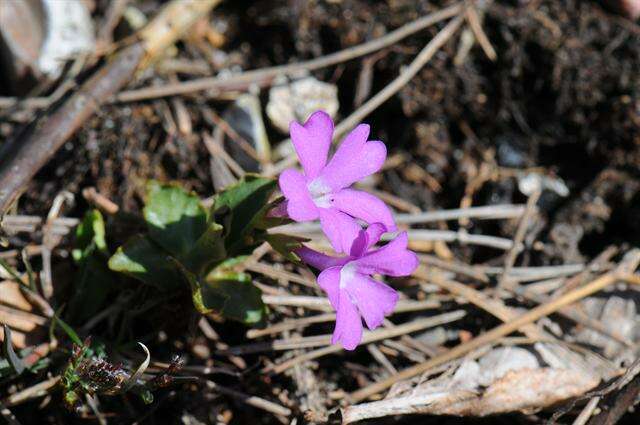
(381, 358)
(620, 404)
(251, 400)
(321, 340)
(490, 336)
(461, 237)
(264, 77)
(216, 150)
(372, 336)
(217, 120)
(272, 272)
(323, 304)
(518, 238)
(471, 14)
(391, 89)
(288, 325)
(26, 223)
(456, 267)
(492, 306)
(29, 152)
(302, 322)
(492, 212)
(112, 17)
(38, 390)
(99, 200)
(586, 413)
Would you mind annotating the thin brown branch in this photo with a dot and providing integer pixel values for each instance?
(488, 337)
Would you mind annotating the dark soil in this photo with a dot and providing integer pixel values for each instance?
(563, 96)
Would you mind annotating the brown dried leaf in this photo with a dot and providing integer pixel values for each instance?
(502, 381)
(16, 312)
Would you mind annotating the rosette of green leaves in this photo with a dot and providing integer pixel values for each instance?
(187, 244)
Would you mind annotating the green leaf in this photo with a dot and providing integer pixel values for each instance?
(243, 205)
(90, 236)
(267, 222)
(243, 300)
(12, 358)
(228, 293)
(207, 251)
(285, 245)
(175, 218)
(67, 329)
(144, 260)
(92, 286)
(93, 281)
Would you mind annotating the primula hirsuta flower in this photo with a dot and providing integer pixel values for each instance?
(348, 283)
(322, 192)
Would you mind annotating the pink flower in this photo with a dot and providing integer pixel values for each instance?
(352, 292)
(323, 190)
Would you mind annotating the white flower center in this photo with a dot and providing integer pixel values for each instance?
(347, 273)
(320, 193)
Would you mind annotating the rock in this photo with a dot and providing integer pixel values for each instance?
(297, 100)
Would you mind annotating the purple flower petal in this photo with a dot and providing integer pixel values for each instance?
(374, 299)
(300, 206)
(393, 259)
(319, 260)
(374, 232)
(329, 281)
(348, 328)
(340, 229)
(359, 245)
(354, 160)
(365, 206)
(366, 239)
(312, 141)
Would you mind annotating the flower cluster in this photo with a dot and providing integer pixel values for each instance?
(323, 192)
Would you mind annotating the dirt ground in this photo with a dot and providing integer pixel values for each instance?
(558, 107)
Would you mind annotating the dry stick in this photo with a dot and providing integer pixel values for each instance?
(456, 267)
(323, 304)
(391, 89)
(597, 264)
(215, 150)
(31, 151)
(372, 336)
(518, 238)
(461, 236)
(105, 204)
(575, 314)
(251, 400)
(288, 325)
(492, 212)
(38, 390)
(477, 298)
(527, 274)
(273, 273)
(30, 223)
(488, 337)
(26, 155)
(403, 306)
(319, 340)
(265, 76)
(569, 312)
(471, 14)
(586, 413)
